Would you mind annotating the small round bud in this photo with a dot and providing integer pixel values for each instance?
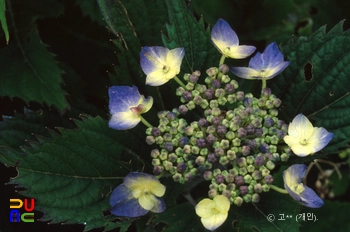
(224, 68)
(212, 71)
(216, 83)
(193, 78)
(243, 190)
(221, 130)
(247, 179)
(210, 138)
(266, 92)
(150, 140)
(212, 158)
(239, 180)
(208, 175)
(238, 201)
(187, 95)
(242, 133)
(202, 122)
(224, 160)
(172, 157)
(219, 179)
(268, 179)
(270, 165)
(209, 94)
(256, 175)
(250, 168)
(200, 160)
(183, 141)
(155, 131)
(157, 170)
(183, 109)
(212, 193)
(265, 188)
(181, 167)
(257, 188)
(189, 176)
(255, 198)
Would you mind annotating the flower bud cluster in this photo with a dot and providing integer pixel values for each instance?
(234, 145)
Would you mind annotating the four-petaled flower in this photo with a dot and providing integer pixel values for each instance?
(160, 64)
(226, 41)
(139, 194)
(304, 139)
(264, 65)
(292, 183)
(214, 212)
(125, 105)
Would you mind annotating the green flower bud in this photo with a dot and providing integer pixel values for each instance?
(190, 105)
(265, 188)
(204, 104)
(177, 177)
(269, 104)
(264, 171)
(231, 98)
(213, 71)
(219, 93)
(163, 155)
(258, 188)
(222, 187)
(200, 160)
(187, 149)
(172, 157)
(179, 151)
(162, 128)
(222, 101)
(208, 175)
(173, 130)
(204, 151)
(273, 112)
(149, 131)
(216, 111)
(216, 171)
(256, 175)
(284, 157)
(255, 198)
(270, 165)
(242, 162)
(200, 88)
(250, 168)
(247, 179)
(243, 171)
(231, 155)
(234, 171)
(175, 142)
(224, 144)
(247, 198)
(231, 186)
(236, 142)
(250, 159)
(224, 160)
(190, 164)
(208, 80)
(212, 193)
(189, 130)
(213, 186)
(155, 153)
(167, 137)
(156, 162)
(198, 100)
(238, 201)
(208, 165)
(168, 165)
(230, 135)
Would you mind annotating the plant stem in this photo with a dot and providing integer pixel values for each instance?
(179, 82)
(222, 59)
(263, 84)
(280, 190)
(144, 121)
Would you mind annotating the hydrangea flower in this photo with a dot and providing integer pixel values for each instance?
(264, 65)
(292, 183)
(125, 105)
(160, 64)
(304, 139)
(226, 41)
(214, 212)
(139, 194)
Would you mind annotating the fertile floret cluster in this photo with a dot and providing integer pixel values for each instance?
(234, 144)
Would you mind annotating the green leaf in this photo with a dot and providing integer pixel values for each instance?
(3, 20)
(316, 82)
(185, 31)
(91, 9)
(72, 175)
(29, 70)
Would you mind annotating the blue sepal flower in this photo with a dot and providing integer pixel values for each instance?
(125, 105)
(304, 139)
(160, 64)
(139, 194)
(226, 41)
(293, 177)
(264, 65)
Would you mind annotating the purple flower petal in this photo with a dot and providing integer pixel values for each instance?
(121, 98)
(152, 58)
(159, 206)
(223, 32)
(310, 199)
(128, 208)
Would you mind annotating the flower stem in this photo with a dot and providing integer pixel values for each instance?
(222, 59)
(280, 190)
(179, 82)
(144, 121)
(263, 84)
